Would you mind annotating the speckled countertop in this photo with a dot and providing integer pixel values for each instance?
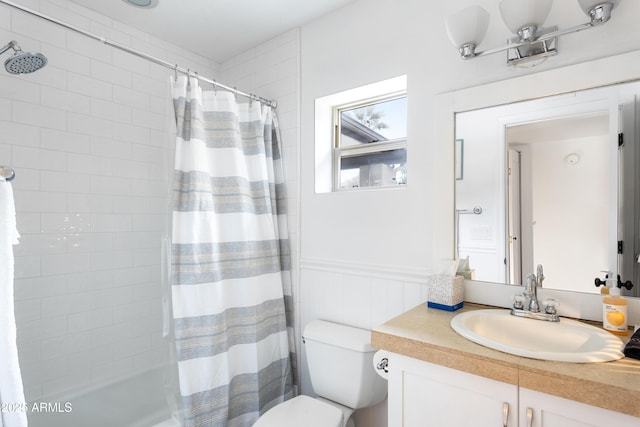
(425, 334)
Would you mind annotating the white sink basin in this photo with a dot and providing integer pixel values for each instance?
(564, 341)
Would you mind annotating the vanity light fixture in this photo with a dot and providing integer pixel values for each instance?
(525, 18)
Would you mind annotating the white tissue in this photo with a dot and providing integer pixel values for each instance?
(381, 368)
(447, 267)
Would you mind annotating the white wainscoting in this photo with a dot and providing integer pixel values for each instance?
(360, 295)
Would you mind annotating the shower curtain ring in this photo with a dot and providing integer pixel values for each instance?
(175, 72)
(235, 93)
(215, 86)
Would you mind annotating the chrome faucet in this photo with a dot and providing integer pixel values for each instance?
(539, 275)
(530, 294)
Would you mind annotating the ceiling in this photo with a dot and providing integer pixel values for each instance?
(216, 29)
(579, 126)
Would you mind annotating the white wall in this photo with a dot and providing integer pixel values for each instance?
(481, 237)
(570, 210)
(350, 240)
(335, 58)
(88, 137)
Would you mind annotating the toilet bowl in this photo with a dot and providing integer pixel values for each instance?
(340, 361)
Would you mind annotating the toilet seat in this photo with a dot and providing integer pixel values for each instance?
(301, 411)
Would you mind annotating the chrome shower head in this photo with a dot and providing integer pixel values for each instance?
(25, 62)
(22, 62)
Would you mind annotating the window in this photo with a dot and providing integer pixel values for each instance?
(370, 143)
(351, 157)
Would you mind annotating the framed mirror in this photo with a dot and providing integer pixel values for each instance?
(541, 178)
(542, 165)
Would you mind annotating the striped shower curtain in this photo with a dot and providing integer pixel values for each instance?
(231, 285)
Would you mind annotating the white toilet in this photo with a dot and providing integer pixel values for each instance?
(340, 360)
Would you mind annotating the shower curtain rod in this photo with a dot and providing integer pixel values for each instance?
(140, 54)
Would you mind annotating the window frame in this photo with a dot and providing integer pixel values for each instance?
(369, 148)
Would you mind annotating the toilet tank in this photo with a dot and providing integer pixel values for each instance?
(340, 360)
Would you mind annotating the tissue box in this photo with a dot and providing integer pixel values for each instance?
(445, 292)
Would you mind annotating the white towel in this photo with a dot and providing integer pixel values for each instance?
(11, 392)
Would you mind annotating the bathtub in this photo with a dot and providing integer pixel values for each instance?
(138, 401)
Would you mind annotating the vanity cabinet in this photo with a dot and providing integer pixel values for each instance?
(423, 394)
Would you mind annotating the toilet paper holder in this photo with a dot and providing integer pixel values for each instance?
(383, 365)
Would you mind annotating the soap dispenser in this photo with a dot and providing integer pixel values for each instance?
(614, 309)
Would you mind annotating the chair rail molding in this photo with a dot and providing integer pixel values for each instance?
(380, 271)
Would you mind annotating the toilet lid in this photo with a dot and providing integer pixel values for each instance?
(301, 411)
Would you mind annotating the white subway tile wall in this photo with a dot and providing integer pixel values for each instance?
(89, 137)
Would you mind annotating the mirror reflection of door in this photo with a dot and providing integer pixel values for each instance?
(562, 201)
(514, 252)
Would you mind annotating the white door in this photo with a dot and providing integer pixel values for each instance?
(514, 254)
(629, 201)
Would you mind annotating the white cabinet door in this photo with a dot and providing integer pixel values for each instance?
(422, 394)
(551, 411)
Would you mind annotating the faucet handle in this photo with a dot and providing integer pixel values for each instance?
(518, 301)
(550, 305)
